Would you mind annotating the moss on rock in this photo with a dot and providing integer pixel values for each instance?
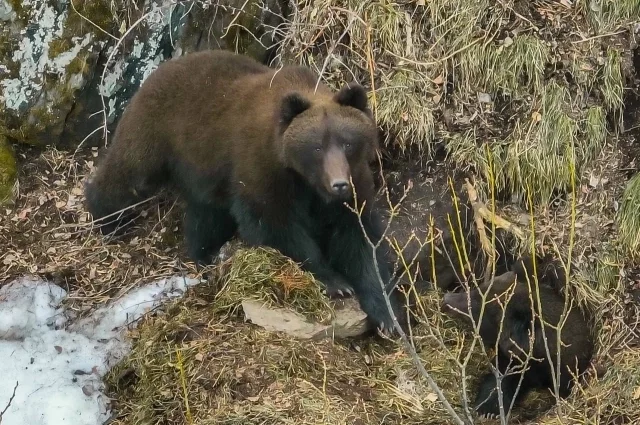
(104, 19)
(8, 171)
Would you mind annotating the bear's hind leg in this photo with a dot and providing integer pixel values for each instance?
(207, 228)
(131, 172)
(487, 401)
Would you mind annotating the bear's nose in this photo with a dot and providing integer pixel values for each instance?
(340, 186)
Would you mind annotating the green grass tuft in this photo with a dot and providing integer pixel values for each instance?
(406, 114)
(610, 15)
(595, 131)
(265, 275)
(628, 217)
(516, 69)
(539, 153)
(613, 84)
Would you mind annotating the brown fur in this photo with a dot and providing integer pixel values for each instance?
(170, 111)
(513, 342)
(252, 148)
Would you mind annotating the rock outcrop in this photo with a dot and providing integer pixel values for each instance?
(66, 67)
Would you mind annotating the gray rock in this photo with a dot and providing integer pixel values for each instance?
(61, 77)
(484, 98)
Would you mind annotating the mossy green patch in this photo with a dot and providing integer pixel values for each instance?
(79, 65)
(8, 170)
(20, 10)
(28, 133)
(45, 122)
(7, 47)
(59, 46)
(91, 16)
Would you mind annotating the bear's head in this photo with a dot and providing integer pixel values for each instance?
(328, 139)
(522, 316)
(506, 301)
(512, 302)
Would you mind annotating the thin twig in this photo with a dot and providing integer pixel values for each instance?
(9, 402)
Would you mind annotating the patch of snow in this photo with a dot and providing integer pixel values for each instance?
(28, 304)
(59, 370)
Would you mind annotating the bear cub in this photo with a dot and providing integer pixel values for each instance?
(268, 154)
(513, 343)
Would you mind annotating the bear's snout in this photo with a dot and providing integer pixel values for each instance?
(340, 187)
(337, 174)
(454, 303)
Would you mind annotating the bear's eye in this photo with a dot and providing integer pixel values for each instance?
(318, 149)
(347, 145)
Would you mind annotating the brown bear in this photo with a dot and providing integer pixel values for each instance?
(513, 343)
(270, 154)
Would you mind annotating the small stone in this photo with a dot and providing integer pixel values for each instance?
(349, 320)
(88, 390)
(432, 397)
(484, 97)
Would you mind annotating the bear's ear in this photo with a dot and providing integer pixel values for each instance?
(293, 104)
(353, 95)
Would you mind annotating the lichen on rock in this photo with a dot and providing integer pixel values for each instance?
(39, 91)
(66, 66)
(6, 11)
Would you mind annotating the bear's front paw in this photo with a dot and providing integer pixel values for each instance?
(488, 406)
(338, 288)
(386, 326)
(379, 316)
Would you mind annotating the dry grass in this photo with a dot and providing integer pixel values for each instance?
(230, 371)
(237, 373)
(613, 399)
(482, 66)
(264, 275)
(48, 232)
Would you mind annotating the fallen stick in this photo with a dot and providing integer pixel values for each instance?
(482, 213)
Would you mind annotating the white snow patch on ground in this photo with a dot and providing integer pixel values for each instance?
(59, 368)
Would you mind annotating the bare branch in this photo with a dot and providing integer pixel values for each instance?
(9, 402)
